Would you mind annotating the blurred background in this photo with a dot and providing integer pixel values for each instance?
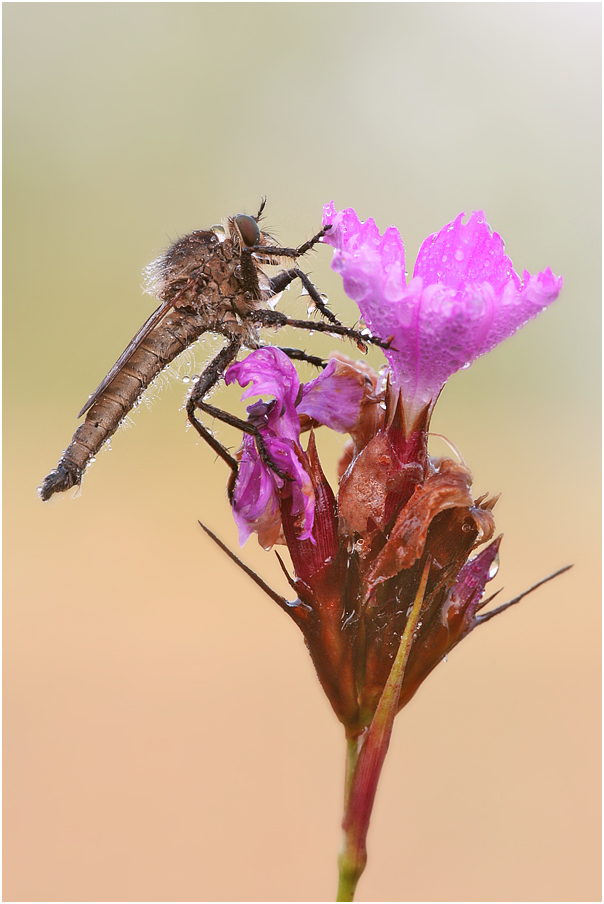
(165, 735)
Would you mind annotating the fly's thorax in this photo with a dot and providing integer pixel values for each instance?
(208, 274)
(186, 262)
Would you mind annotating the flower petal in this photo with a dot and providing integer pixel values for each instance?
(334, 398)
(471, 299)
(464, 299)
(255, 498)
(270, 372)
(259, 492)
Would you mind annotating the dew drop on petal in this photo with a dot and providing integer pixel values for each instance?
(459, 255)
(494, 568)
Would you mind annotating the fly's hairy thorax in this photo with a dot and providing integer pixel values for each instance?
(203, 273)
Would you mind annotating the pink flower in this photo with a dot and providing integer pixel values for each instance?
(464, 299)
(387, 570)
(400, 520)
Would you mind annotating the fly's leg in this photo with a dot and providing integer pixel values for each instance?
(245, 427)
(285, 277)
(296, 354)
(275, 251)
(277, 318)
(207, 380)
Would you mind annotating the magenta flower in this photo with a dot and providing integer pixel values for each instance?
(464, 299)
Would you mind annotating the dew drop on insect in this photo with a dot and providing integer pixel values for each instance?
(92, 460)
(219, 231)
(494, 568)
(186, 379)
(445, 658)
(383, 405)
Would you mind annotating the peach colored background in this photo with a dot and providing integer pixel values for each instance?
(165, 736)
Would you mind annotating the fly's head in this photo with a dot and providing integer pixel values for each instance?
(245, 233)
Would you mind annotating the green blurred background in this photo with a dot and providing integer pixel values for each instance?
(165, 735)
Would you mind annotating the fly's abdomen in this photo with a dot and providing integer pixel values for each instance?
(164, 343)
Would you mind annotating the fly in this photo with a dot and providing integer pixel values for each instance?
(210, 281)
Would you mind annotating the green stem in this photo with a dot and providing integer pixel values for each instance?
(365, 758)
(353, 748)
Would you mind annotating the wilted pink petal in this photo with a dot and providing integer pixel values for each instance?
(259, 492)
(255, 500)
(335, 397)
(270, 372)
(465, 596)
(258, 489)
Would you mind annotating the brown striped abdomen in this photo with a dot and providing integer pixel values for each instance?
(164, 343)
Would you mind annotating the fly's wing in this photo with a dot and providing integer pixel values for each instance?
(144, 331)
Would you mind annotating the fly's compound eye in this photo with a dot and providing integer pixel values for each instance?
(248, 227)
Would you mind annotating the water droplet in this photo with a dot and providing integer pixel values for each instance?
(92, 460)
(219, 231)
(445, 658)
(494, 568)
(459, 255)
(324, 297)
(383, 405)
(186, 379)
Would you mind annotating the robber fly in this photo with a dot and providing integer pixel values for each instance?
(210, 281)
